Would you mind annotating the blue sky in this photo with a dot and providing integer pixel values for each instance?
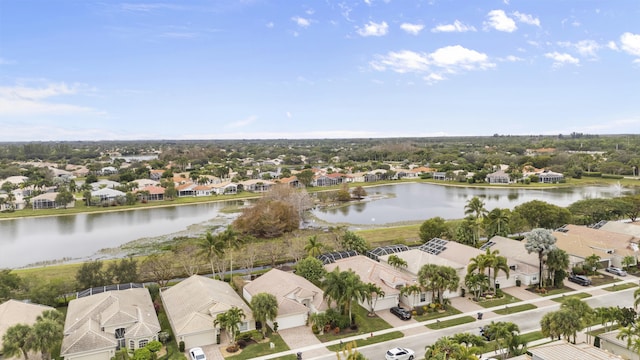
(263, 69)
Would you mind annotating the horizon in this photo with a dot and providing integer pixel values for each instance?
(348, 69)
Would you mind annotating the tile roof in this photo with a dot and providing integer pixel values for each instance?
(14, 312)
(288, 287)
(583, 241)
(370, 271)
(193, 303)
(568, 351)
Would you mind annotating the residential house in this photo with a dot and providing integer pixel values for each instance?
(107, 195)
(498, 177)
(142, 183)
(98, 325)
(550, 177)
(523, 266)
(224, 188)
(438, 252)
(581, 241)
(390, 280)
(186, 189)
(620, 227)
(15, 180)
(291, 181)
(105, 184)
(47, 201)
(151, 193)
(193, 304)
(108, 170)
(297, 297)
(440, 175)
(562, 350)
(156, 174)
(609, 342)
(255, 185)
(14, 312)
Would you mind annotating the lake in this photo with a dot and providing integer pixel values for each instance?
(29, 240)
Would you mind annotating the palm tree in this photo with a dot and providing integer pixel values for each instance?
(334, 287)
(540, 241)
(476, 283)
(606, 315)
(265, 308)
(498, 263)
(396, 261)
(47, 335)
(478, 263)
(355, 290)
(211, 247)
(633, 338)
(313, 247)
(230, 321)
(475, 207)
(372, 293)
(16, 341)
(557, 265)
(414, 290)
(498, 222)
(232, 242)
(501, 332)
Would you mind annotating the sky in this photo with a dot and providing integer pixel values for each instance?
(296, 69)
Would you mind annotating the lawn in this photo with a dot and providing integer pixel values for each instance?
(435, 315)
(451, 322)
(514, 309)
(505, 300)
(366, 325)
(173, 353)
(369, 340)
(578, 295)
(406, 234)
(619, 287)
(263, 348)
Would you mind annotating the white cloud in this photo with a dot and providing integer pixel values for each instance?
(457, 26)
(302, 22)
(500, 21)
(413, 29)
(560, 59)
(243, 122)
(23, 100)
(289, 116)
(630, 43)
(512, 58)
(587, 47)
(270, 25)
(446, 60)
(148, 7)
(526, 18)
(612, 46)
(374, 29)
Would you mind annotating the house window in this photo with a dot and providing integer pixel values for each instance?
(120, 338)
(423, 297)
(244, 326)
(142, 343)
(132, 345)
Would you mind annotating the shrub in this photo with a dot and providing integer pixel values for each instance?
(181, 346)
(232, 348)
(314, 329)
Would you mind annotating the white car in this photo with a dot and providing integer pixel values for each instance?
(197, 354)
(399, 353)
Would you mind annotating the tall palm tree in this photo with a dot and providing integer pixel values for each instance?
(47, 335)
(16, 341)
(396, 261)
(557, 264)
(265, 308)
(501, 332)
(498, 222)
(334, 287)
(313, 247)
(497, 263)
(232, 242)
(540, 241)
(211, 247)
(414, 290)
(476, 283)
(630, 333)
(475, 207)
(478, 263)
(230, 321)
(355, 290)
(372, 293)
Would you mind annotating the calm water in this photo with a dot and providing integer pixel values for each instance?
(30, 240)
(411, 202)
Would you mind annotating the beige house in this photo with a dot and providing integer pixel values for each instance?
(297, 297)
(523, 266)
(98, 325)
(581, 242)
(13, 312)
(609, 342)
(390, 280)
(561, 350)
(193, 305)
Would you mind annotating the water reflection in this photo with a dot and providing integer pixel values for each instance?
(66, 224)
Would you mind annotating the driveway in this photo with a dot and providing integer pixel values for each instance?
(301, 337)
(396, 322)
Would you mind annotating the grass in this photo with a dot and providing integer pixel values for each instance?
(263, 348)
(451, 322)
(624, 286)
(514, 309)
(435, 315)
(578, 295)
(391, 235)
(369, 340)
(505, 300)
(366, 325)
(173, 353)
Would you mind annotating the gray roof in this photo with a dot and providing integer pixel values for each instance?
(14, 312)
(567, 351)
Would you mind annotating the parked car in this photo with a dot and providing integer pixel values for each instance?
(580, 279)
(197, 354)
(616, 271)
(399, 353)
(401, 312)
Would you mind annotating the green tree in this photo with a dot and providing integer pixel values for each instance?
(64, 197)
(313, 247)
(540, 241)
(497, 222)
(372, 293)
(358, 192)
(433, 228)
(267, 218)
(265, 308)
(305, 177)
(16, 341)
(351, 241)
(628, 261)
(591, 263)
(396, 261)
(10, 283)
(212, 248)
(476, 283)
(46, 335)
(311, 269)
(557, 264)
(502, 332)
(124, 271)
(91, 275)
(230, 320)
(539, 214)
(475, 207)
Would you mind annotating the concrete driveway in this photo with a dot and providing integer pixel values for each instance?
(298, 338)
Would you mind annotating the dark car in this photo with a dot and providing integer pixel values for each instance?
(401, 312)
(616, 271)
(580, 279)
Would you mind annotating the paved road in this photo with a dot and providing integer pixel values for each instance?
(527, 321)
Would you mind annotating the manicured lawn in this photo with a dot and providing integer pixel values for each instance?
(435, 315)
(173, 353)
(366, 325)
(578, 295)
(615, 287)
(505, 300)
(452, 322)
(369, 340)
(514, 309)
(392, 235)
(263, 348)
